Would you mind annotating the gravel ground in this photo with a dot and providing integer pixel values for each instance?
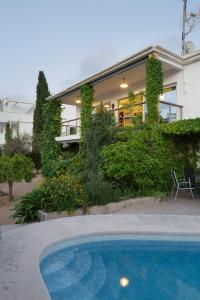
(19, 189)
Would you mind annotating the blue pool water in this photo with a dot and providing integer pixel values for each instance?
(123, 268)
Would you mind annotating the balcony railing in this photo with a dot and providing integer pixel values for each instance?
(71, 127)
(169, 112)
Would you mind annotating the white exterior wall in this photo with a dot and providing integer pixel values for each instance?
(191, 90)
(21, 114)
(188, 89)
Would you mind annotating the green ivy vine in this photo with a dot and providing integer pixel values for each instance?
(51, 150)
(182, 127)
(154, 87)
(87, 96)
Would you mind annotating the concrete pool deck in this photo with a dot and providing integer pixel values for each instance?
(20, 248)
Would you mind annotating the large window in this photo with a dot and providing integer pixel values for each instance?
(128, 111)
(168, 112)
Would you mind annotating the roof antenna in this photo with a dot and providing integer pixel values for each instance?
(189, 21)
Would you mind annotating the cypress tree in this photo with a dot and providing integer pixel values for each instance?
(8, 139)
(38, 118)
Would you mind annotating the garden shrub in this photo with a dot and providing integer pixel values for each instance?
(123, 133)
(26, 207)
(98, 191)
(63, 193)
(143, 162)
(55, 194)
(100, 132)
(72, 163)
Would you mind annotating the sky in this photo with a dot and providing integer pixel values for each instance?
(72, 39)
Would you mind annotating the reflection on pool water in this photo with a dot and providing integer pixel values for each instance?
(123, 267)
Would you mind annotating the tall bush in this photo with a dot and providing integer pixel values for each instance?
(154, 87)
(100, 132)
(8, 140)
(51, 150)
(38, 118)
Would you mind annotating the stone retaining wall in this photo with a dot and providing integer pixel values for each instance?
(110, 208)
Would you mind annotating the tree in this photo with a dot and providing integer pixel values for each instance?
(8, 140)
(21, 144)
(15, 168)
(51, 150)
(38, 118)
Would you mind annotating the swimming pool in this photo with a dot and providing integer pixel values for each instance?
(124, 267)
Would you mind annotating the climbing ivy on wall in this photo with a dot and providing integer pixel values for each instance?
(182, 127)
(185, 135)
(87, 96)
(52, 126)
(154, 87)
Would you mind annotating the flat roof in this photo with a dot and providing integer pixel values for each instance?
(128, 63)
(125, 64)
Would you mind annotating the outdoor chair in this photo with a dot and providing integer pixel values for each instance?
(190, 173)
(181, 185)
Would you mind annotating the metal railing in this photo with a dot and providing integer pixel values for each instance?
(169, 112)
(71, 127)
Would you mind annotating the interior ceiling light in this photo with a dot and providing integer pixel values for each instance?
(124, 84)
(78, 101)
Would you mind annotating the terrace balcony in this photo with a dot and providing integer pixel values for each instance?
(169, 112)
(112, 85)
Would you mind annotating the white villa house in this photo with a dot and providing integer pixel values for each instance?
(180, 100)
(20, 116)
